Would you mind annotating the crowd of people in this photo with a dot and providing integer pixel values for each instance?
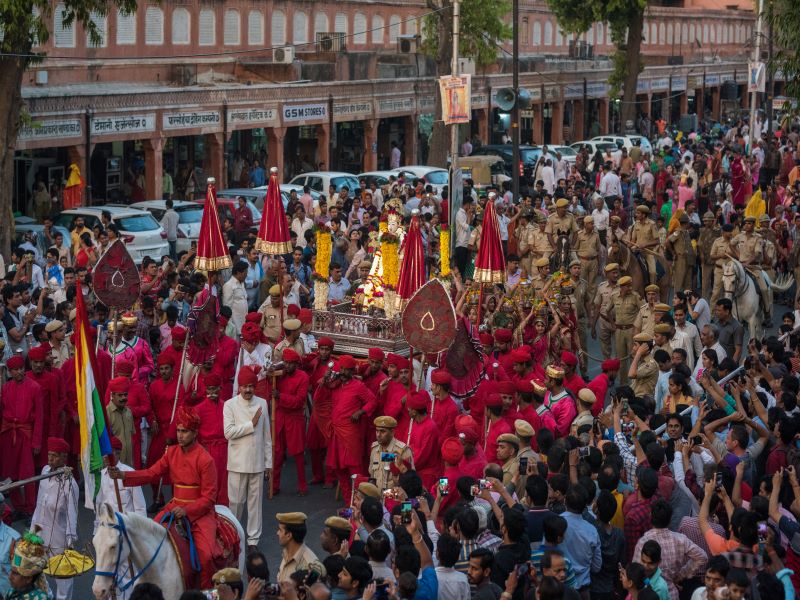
(666, 467)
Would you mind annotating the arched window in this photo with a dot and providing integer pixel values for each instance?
(684, 33)
(411, 27)
(537, 33)
(321, 23)
(559, 37)
(101, 27)
(608, 35)
(662, 34)
(378, 28)
(340, 23)
(590, 36)
(232, 31)
(548, 33)
(653, 38)
(359, 29)
(670, 35)
(63, 35)
(705, 34)
(154, 26)
(126, 28)
(181, 28)
(277, 32)
(207, 28)
(299, 27)
(600, 34)
(255, 28)
(394, 28)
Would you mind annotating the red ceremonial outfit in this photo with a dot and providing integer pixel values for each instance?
(225, 364)
(391, 403)
(426, 443)
(194, 479)
(21, 433)
(162, 397)
(498, 428)
(175, 354)
(473, 466)
(599, 385)
(574, 383)
(54, 407)
(290, 426)
(444, 415)
(345, 453)
(212, 438)
(140, 406)
(317, 441)
(506, 360)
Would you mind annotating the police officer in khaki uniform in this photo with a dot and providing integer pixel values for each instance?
(680, 244)
(709, 232)
(644, 236)
(602, 305)
(581, 301)
(615, 227)
(561, 222)
(721, 250)
(644, 369)
(525, 434)
(538, 240)
(507, 448)
(381, 470)
(271, 314)
(587, 248)
(296, 555)
(662, 338)
(539, 279)
(625, 307)
(523, 232)
(770, 256)
(292, 339)
(749, 249)
(645, 321)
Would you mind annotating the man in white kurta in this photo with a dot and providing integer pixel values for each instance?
(57, 509)
(246, 427)
(234, 294)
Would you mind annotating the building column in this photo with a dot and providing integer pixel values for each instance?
(557, 123)
(602, 114)
(538, 124)
(370, 145)
(215, 159)
(578, 118)
(323, 132)
(411, 127)
(683, 101)
(745, 95)
(483, 125)
(153, 167)
(700, 103)
(77, 155)
(275, 138)
(716, 93)
(645, 103)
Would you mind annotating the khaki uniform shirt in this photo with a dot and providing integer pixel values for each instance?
(645, 321)
(587, 245)
(720, 246)
(271, 320)
(510, 469)
(524, 236)
(303, 560)
(705, 242)
(556, 224)
(682, 244)
(602, 299)
(643, 233)
(749, 247)
(646, 376)
(383, 477)
(297, 346)
(532, 457)
(625, 309)
(540, 245)
(579, 297)
(121, 421)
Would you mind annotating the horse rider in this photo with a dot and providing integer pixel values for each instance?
(643, 236)
(194, 484)
(624, 308)
(721, 251)
(587, 247)
(602, 305)
(680, 243)
(561, 223)
(709, 233)
(748, 248)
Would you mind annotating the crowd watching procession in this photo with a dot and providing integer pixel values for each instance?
(663, 466)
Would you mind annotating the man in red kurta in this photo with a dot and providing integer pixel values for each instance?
(175, 349)
(52, 398)
(392, 394)
(452, 453)
(503, 353)
(139, 405)
(373, 376)
(477, 404)
(225, 364)
(600, 384)
(162, 397)
(21, 431)
(497, 425)
(350, 401)
(424, 439)
(316, 366)
(211, 433)
(290, 397)
(194, 477)
(572, 381)
(443, 409)
(474, 459)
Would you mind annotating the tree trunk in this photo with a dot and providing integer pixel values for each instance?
(633, 63)
(11, 72)
(440, 138)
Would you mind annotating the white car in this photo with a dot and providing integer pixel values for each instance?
(594, 146)
(626, 141)
(138, 229)
(320, 181)
(190, 214)
(437, 177)
(568, 154)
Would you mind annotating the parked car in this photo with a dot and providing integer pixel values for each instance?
(254, 195)
(226, 205)
(437, 177)
(626, 141)
(594, 146)
(190, 214)
(320, 181)
(567, 153)
(138, 229)
(23, 225)
(381, 178)
(528, 156)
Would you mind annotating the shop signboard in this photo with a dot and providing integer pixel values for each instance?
(353, 110)
(243, 118)
(122, 124)
(60, 129)
(191, 120)
(396, 105)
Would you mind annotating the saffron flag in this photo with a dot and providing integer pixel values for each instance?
(94, 433)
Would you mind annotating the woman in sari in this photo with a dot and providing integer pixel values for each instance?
(738, 180)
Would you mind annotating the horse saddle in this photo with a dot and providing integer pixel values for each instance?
(225, 552)
(660, 271)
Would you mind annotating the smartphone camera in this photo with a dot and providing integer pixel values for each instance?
(718, 480)
(762, 531)
(405, 512)
(583, 452)
(381, 589)
(346, 513)
(484, 484)
(444, 486)
(523, 464)
(388, 456)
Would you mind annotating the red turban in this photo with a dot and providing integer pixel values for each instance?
(520, 356)
(524, 386)
(38, 354)
(119, 385)
(375, 354)
(467, 428)
(494, 400)
(212, 380)
(503, 335)
(325, 342)
(347, 362)
(187, 418)
(569, 359)
(305, 316)
(486, 339)
(420, 401)
(55, 444)
(440, 376)
(116, 443)
(292, 310)
(506, 387)
(248, 375)
(612, 364)
(124, 367)
(290, 355)
(222, 320)
(253, 317)
(251, 333)
(166, 359)
(15, 362)
(452, 451)
(178, 333)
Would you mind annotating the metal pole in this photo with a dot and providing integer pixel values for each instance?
(454, 128)
(756, 58)
(88, 172)
(770, 74)
(515, 109)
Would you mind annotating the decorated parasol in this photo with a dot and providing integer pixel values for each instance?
(212, 251)
(273, 233)
(412, 268)
(490, 264)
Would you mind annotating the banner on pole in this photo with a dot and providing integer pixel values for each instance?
(456, 98)
(756, 77)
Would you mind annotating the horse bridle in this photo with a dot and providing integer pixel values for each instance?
(122, 537)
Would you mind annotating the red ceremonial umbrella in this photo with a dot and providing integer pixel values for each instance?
(212, 251)
(490, 264)
(412, 269)
(273, 234)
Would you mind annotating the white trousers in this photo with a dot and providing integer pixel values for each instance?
(249, 488)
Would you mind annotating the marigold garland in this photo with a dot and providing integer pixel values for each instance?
(324, 253)
(391, 261)
(444, 251)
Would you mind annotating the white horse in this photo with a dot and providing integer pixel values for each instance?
(121, 536)
(744, 294)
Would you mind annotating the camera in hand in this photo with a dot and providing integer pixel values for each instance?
(405, 512)
(444, 486)
(523, 464)
(381, 589)
(388, 456)
(346, 513)
(583, 452)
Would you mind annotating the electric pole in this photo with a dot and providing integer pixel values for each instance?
(454, 130)
(515, 132)
(756, 60)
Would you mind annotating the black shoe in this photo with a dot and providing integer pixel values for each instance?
(155, 507)
(251, 548)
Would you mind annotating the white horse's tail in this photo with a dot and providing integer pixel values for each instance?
(782, 283)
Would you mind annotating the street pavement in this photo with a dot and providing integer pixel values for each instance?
(318, 505)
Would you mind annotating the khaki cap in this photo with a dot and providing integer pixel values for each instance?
(625, 280)
(523, 428)
(292, 324)
(275, 290)
(229, 575)
(611, 267)
(588, 219)
(662, 328)
(541, 262)
(652, 288)
(369, 489)
(586, 395)
(53, 325)
(291, 518)
(562, 203)
(661, 307)
(643, 208)
(643, 337)
(508, 438)
(385, 421)
(338, 523)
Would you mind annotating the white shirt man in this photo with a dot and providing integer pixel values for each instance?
(132, 497)
(610, 185)
(234, 294)
(394, 161)
(246, 426)
(600, 215)
(300, 227)
(8, 537)
(561, 167)
(549, 177)
(462, 228)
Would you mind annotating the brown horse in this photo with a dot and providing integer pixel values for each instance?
(619, 251)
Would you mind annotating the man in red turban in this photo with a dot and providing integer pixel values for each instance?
(319, 424)
(477, 404)
(601, 384)
(393, 392)
(452, 454)
(53, 397)
(497, 425)
(194, 478)
(502, 353)
(424, 439)
(175, 349)
(474, 459)
(21, 432)
(211, 433)
(572, 381)
(350, 401)
(162, 394)
(444, 410)
(290, 397)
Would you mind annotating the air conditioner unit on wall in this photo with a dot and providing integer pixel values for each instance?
(283, 55)
(407, 44)
(330, 41)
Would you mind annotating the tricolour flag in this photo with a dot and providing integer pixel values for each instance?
(95, 437)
